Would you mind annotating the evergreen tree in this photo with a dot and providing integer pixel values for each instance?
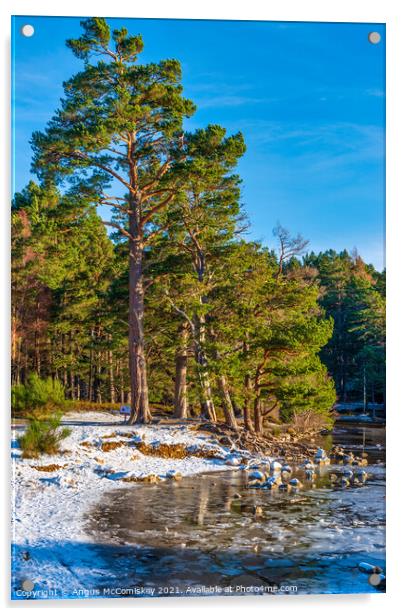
(353, 294)
(120, 125)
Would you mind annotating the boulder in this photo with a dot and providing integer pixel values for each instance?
(233, 460)
(295, 483)
(258, 475)
(257, 510)
(369, 568)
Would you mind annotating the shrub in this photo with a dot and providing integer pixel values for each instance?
(86, 405)
(37, 393)
(18, 397)
(43, 436)
(310, 420)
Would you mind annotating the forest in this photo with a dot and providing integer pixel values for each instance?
(166, 303)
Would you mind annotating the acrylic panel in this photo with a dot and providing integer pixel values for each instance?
(198, 308)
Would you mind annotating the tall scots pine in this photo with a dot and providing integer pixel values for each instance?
(118, 137)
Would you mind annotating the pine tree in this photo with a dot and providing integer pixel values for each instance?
(353, 294)
(204, 222)
(119, 128)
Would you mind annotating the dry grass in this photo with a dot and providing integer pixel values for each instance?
(49, 468)
(176, 451)
(146, 479)
(308, 421)
(113, 445)
(86, 444)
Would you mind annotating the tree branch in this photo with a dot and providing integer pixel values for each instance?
(119, 228)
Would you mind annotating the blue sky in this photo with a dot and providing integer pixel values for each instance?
(308, 97)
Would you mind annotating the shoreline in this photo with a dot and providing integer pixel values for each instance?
(54, 503)
(51, 502)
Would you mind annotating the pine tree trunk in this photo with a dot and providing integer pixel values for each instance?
(207, 404)
(90, 370)
(15, 368)
(111, 377)
(248, 424)
(248, 390)
(140, 412)
(257, 416)
(180, 393)
(230, 418)
(72, 385)
(98, 379)
(121, 381)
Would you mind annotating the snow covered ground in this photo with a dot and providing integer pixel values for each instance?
(50, 505)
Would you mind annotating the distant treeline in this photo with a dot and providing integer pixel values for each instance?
(256, 332)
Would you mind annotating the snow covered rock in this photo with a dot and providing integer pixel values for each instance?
(257, 475)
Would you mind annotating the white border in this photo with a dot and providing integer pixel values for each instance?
(387, 11)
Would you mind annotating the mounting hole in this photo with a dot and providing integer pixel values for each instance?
(27, 585)
(374, 38)
(28, 30)
(375, 579)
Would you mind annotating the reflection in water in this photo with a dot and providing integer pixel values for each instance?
(357, 438)
(199, 532)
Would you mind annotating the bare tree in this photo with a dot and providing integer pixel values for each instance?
(288, 246)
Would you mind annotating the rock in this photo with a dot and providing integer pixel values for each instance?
(226, 441)
(103, 470)
(368, 568)
(295, 483)
(310, 474)
(348, 473)
(338, 454)
(142, 479)
(309, 467)
(275, 466)
(323, 462)
(233, 460)
(258, 475)
(321, 457)
(272, 482)
(255, 484)
(344, 483)
(257, 510)
(236, 496)
(175, 475)
(284, 487)
(276, 478)
(287, 469)
(361, 474)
